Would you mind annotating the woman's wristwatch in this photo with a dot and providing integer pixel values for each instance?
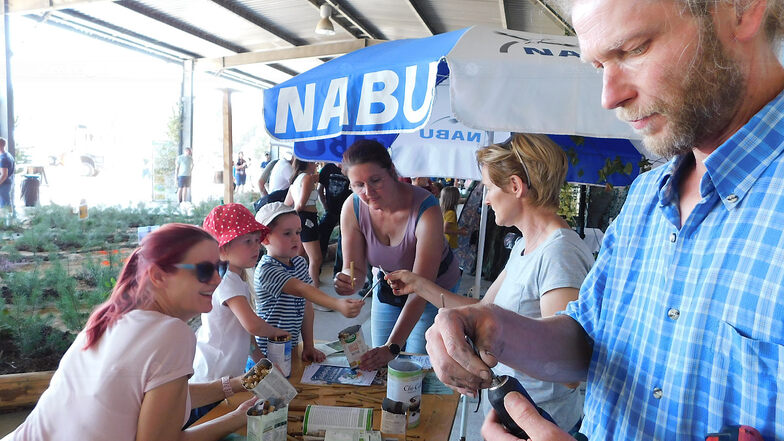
(394, 349)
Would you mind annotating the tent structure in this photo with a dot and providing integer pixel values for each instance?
(499, 80)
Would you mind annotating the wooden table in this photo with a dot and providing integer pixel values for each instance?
(435, 423)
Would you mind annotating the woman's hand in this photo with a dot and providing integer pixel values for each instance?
(350, 308)
(344, 285)
(312, 354)
(239, 416)
(525, 415)
(375, 358)
(403, 282)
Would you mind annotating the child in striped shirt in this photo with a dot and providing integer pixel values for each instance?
(284, 290)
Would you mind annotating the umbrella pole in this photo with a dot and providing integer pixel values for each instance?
(480, 251)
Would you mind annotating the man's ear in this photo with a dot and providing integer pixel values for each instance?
(750, 19)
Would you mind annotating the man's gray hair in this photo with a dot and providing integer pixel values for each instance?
(774, 21)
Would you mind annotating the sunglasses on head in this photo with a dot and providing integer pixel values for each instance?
(202, 270)
(508, 146)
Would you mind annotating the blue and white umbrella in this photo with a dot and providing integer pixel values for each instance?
(498, 81)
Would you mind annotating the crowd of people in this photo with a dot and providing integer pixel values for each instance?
(675, 329)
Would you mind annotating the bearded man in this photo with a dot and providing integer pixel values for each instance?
(679, 328)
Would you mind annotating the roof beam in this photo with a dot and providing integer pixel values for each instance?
(421, 16)
(29, 6)
(502, 5)
(270, 56)
(193, 30)
(560, 21)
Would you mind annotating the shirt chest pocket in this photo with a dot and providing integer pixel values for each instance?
(754, 389)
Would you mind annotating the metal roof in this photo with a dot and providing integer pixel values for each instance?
(276, 37)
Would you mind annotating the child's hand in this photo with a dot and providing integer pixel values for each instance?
(313, 354)
(274, 333)
(350, 308)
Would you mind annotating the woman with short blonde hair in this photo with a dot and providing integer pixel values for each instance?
(524, 176)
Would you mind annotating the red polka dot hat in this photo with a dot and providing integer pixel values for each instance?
(230, 221)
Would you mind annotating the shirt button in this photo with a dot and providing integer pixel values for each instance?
(657, 393)
(673, 313)
(732, 198)
(673, 237)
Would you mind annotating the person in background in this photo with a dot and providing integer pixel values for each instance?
(284, 292)
(279, 180)
(303, 196)
(229, 329)
(544, 272)
(333, 191)
(678, 326)
(265, 177)
(7, 166)
(450, 196)
(265, 161)
(184, 170)
(240, 171)
(392, 225)
(125, 377)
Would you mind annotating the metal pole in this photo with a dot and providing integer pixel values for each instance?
(480, 251)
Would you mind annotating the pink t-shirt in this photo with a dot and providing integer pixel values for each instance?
(97, 394)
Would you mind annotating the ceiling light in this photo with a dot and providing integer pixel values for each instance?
(324, 26)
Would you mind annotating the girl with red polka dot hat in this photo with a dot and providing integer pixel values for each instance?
(228, 331)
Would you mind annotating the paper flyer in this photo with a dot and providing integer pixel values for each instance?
(324, 374)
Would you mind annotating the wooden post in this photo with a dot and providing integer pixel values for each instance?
(228, 154)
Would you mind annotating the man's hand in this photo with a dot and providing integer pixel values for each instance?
(453, 359)
(525, 415)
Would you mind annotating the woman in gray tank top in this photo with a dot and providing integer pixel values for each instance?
(392, 225)
(545, 269)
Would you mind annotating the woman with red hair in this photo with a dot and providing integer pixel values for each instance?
(125, 377)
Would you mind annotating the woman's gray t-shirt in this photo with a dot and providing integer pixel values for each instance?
(561, 261)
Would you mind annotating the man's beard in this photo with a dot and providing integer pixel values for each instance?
(701, 106)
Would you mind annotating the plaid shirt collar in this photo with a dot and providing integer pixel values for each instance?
(736, 164)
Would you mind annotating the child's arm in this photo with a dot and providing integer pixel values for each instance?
(348, 307)
(309, 352)
(252, 323)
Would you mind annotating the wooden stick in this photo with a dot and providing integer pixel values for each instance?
(351, 272)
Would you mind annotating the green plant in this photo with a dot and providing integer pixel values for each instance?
(30, 329)
(55, 281)
(568, 207)
(612, 166)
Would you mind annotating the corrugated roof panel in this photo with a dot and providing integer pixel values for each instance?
(218, 21)
(298, 18)
(117, 15)
(447, 16)
(394, 19)
(525, 16)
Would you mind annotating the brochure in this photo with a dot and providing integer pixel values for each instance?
(324, 374)
(319, 419)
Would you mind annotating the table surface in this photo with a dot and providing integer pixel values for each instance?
(435, 423)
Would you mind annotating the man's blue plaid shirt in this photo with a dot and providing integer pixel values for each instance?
(687, 323)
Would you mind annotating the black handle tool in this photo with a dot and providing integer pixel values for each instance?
(499, 387)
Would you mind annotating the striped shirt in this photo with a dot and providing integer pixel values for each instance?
(277, 308)
(687, 324)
